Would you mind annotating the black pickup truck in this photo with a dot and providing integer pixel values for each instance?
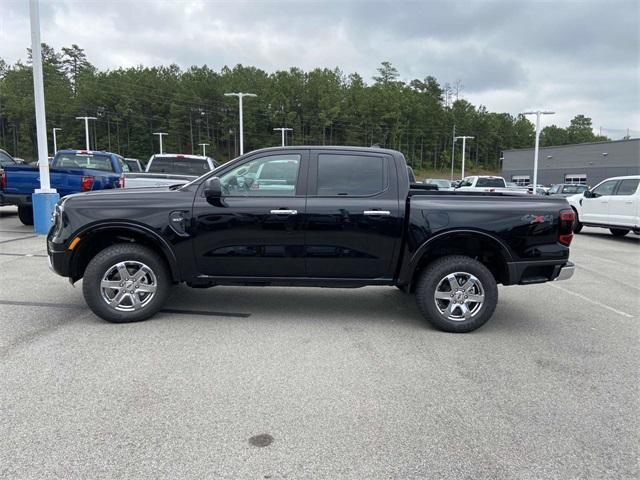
(310, 216)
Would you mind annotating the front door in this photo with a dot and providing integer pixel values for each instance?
(595, 209)
(354, 216)
(255, 229)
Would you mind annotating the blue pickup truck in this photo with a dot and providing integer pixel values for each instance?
(71, 171)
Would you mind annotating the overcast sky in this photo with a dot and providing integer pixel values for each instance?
(569, 56)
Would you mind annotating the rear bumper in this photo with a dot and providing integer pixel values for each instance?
(15, 199)
(526, 273)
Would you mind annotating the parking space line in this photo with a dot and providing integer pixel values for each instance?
(12, 231)
(590, 300)
(16, 239)
(22, 255)
(206, 313)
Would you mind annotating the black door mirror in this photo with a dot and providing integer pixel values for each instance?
(213, 188)
(588, 194)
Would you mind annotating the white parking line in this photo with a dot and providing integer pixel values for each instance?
(590, 300)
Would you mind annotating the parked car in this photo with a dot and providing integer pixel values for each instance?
(566, 189)
(327, 217)
(441, 183)
(170, 169)
(71, 171)
(614, 204)
(134, 165)
(487, 183)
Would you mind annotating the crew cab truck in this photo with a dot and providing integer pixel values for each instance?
(167, 169)
(614, 204)
(488, 183)
(71, 171)
(310, 216)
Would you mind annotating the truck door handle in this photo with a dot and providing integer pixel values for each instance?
(372, 213)
(284, 212)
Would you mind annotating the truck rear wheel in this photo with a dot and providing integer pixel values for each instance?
(126, 283)
(619, 232)
(457, 294)
(25, 214)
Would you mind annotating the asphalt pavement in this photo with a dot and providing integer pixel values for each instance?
(235, 382)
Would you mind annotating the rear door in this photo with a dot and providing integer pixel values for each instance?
(623, 206)
(255, 229)
(595, 209)
(354, 217)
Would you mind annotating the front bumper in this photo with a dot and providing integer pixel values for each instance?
(59, 260)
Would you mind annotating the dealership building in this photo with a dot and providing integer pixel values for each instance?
(586, 163)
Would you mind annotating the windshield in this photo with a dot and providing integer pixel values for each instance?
(90, 161)
(179, 165)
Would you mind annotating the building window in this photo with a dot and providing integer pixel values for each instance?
(521, 180)
(576, 178)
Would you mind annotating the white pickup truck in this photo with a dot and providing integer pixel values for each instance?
(170, 169)
(614, 204)
(487, 183)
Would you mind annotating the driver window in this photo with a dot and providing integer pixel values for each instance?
(606, 188)
(272, 176)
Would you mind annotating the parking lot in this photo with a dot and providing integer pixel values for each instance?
(327, 383)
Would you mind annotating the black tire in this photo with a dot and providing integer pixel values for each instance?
(577, 226)
(435, 273)
(619, 232)
(105, 261)
(25, 214)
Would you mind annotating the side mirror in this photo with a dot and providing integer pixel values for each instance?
(213, 188)
(588, 194)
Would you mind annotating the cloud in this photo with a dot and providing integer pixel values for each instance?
(574, 57)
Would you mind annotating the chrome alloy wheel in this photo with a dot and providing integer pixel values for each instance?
(459, 296)
(128, 286)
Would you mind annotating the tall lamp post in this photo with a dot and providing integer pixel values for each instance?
(240, 96)
(464, 146)
(160, 135)
(282, 131)
(537, 113)
(44, 199)
(86, 129)
(55, 143)
(204, 148)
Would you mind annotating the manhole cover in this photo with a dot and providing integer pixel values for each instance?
(262, 440)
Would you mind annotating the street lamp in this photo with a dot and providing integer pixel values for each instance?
(204, 148)
(282, 131)
(537, 113)
(86, 128)
(240, 96)
(55, 143)
(160, 135)
(464, 145)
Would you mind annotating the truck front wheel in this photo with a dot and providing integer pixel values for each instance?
(457, 294)
(25, 214)
(126, 283)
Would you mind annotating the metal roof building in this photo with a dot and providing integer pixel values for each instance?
(586, 163)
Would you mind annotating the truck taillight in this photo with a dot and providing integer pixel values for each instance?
(86, 183)
(3, 180)
(121, 182)
(565, 231)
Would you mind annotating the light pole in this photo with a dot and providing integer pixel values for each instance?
(160, 135)
(464, 145)
(55, 143)
(453, 151)
(537, 113)
(204, 148)
(86, 128)
(44, 199)
(240, 96)
(282, 131)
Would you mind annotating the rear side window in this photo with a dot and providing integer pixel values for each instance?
(6, 160)
(628, 187)
(84, 160)
(574, 189)
(351, 175)
(490, 182)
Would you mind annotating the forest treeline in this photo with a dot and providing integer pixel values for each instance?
(323, 106)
